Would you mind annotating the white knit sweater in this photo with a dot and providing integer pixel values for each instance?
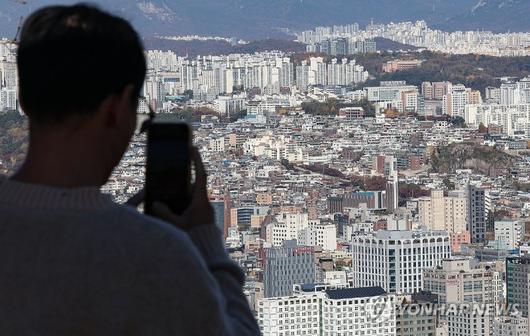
(73, 262)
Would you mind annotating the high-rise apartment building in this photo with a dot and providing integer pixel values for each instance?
(517, 271)
(316, 71)
(340, 46)
(458, 96)
(287, 265)
(409, 101)
(8, 74)
(322, 234)
(326, 311)
(493, 95)
(515, 93)
(8, 85)
(439, 212)
(434, 90)
(289, 226)
(508, 119)
(455, 101)
(395, 260)
(478, 206)
(392, 184)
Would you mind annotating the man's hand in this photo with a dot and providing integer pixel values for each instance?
(200, 211)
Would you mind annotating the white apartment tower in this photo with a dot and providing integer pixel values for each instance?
(395, 260)
(454, 103)
(325, 311)
(319, 234)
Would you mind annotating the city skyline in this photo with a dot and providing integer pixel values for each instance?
(349, 183)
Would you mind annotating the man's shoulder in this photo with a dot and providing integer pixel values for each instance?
(135, 220)
(148, 232)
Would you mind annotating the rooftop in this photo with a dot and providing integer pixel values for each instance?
(349, 293)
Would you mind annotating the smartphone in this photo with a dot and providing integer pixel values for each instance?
(168, 167)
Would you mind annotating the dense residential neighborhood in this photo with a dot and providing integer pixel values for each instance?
(346, 204)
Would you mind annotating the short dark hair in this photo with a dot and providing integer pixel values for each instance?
(70, 58)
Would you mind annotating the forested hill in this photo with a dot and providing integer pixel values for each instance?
(475, 71)
(13, 141)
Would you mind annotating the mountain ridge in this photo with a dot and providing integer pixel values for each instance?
(258, 19)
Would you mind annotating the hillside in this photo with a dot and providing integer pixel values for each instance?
(481, 159)
(495, 15)
(257, 19)
(13, 141)
(474, 71)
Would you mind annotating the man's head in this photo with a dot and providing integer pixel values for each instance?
(81, 68)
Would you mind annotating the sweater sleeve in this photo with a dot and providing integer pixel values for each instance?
(237, 316)
(185, 283)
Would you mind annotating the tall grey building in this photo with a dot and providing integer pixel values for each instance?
(392, 185)
(287, 265)
(477, 218)
(517, 270)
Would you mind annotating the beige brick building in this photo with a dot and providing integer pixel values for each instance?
(440, 212)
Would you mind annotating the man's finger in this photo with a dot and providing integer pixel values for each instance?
(137, 199)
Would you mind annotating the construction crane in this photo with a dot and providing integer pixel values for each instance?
(20, 21)
(19, 27)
